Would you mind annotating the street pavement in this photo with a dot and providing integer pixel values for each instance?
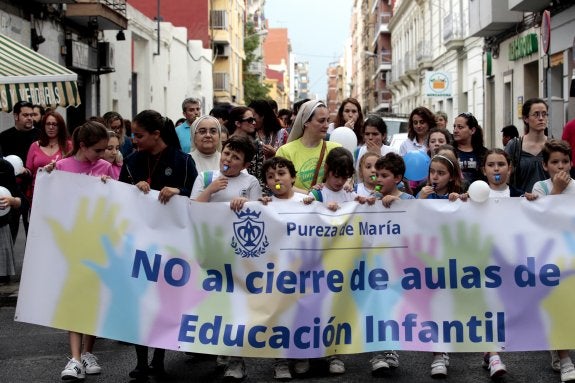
(31, 353)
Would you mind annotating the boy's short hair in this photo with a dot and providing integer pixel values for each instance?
(510, 131)
(392, 162)
(339, 162)
(241, 144)
(279, 162)
(555, 145)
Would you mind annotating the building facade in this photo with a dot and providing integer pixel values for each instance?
(276, 59)
(435, 62)
(528, 53)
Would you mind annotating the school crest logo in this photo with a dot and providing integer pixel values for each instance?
(249, 240)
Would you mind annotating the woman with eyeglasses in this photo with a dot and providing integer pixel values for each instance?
(115, 122)
(468, 144)
(206, 144)
(526, 152)
(243, 123)
(53, 144)
(268, 127)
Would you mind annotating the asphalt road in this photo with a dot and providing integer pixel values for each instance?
(30, 353)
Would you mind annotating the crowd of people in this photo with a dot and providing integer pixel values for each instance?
(255, 152)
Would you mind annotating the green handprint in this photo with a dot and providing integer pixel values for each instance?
(211, 250)
(470, 249)
(80, 298)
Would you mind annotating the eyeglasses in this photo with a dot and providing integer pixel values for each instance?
(203, 132)
(539, 114)
(251, 120)
(51, 124)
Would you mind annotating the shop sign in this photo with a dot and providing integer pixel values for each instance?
(523, 46)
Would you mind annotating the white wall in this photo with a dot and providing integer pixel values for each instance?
(182, 69)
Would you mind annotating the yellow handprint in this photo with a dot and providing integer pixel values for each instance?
(80, 299)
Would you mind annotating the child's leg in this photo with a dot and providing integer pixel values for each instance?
(89, 360)
(75, 339)
(141, 371)
(89, 341)
(158, 358)
(142, 357)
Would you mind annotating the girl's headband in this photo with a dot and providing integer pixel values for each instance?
(445, 158)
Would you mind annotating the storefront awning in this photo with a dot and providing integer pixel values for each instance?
(28, 76)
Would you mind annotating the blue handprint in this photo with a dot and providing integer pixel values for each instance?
(122, 319)
(378, 303)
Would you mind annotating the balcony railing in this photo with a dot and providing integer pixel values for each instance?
(452, 32)
(410, 62)
(423, 51)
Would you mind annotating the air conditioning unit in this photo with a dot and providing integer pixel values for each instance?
(106, 57)
(222, 50)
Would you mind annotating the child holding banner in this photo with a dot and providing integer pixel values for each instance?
(557, 162)
(497, 168)
(367, 175)
(230, 184)
(89, 143)
(337, 170)
(390, 170)
(280, 173)
(444, 180)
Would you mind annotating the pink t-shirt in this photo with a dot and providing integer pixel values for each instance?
(37, 159)
(98, 168)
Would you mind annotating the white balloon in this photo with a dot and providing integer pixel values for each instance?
(16, 162)
(479, 191)
(344, 136)
(4, 193)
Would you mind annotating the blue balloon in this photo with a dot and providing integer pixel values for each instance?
(416, 165)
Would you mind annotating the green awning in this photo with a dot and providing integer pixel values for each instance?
(26, 75)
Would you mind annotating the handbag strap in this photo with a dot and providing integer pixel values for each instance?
(318, 166)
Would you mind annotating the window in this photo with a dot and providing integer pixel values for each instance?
(219, 19)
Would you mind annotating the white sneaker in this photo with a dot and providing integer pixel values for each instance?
(378, 364)
(567, 372)
(496, 368)
(439, 368)
(90, 363)
(301, 366)
(235, 369)
(74, 370)
(446, 359)
(281, 370)
(336, 365)
(392, 358)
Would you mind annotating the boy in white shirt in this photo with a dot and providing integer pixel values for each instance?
(556, 162)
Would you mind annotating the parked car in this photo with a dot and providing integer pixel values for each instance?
(395, 124)
(397, 140)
